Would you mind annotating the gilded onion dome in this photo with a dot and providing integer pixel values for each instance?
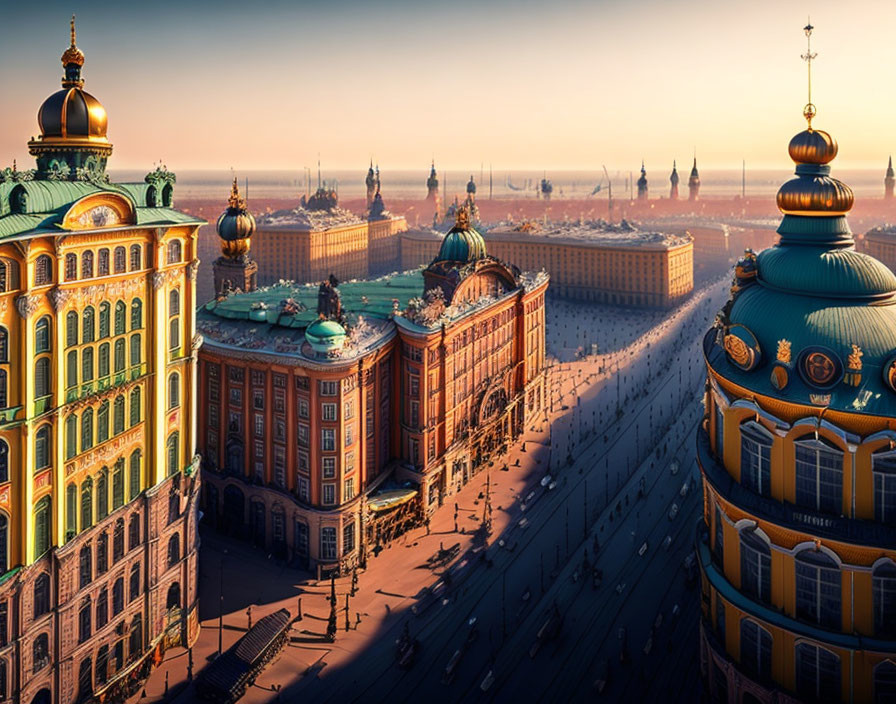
(813, 192)
(236, 225)
(462, 243)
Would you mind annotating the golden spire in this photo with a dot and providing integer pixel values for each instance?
(462, 218)
(236, 201)
(73, 55)
(809, 111)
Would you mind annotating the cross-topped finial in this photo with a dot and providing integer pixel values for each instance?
(809, 111)
(73, 30)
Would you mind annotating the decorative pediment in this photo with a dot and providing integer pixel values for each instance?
(99, 210)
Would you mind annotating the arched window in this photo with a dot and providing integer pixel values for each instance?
(43, 270)
(86, 503)
(71, 369)
(817, 673)
(819, 475)
(87, 430)
(9, 275)
(136, 314)
(102, 553)
(134, 478)
(883, 469)
(173, 302)
(883, 581)
(105, 318)
(42, 448)
(4, 345)
(118, 596)
(136, 349)
(42, 335)
(102, 423)
(174, 252)
(718, 548)
(134, 531)
(885, 682)
(102, 263)
(102, 494)
(174, 550)
(120, 260)
(42, 377)
(134, 583)
(173, 599)
(136, 403)
(818, 587)
(85, 680)
(174, 334)
(102, 665)
(173, 446)
(41, 527)
(118, 484)
(755, 458)
(102, 608)
(120, 314)
(71, 511)
(755, 650)
(4, 544)
(4, 461)
(88, 325)
(755, 566)
(71, 436)
(4, 398)
(173, 390)
(119, 355)
(103, 370)
(118, 416)
(135, 257)
(135, 637)
(85, 567)
(71, 266)
(84, 621)
(118, 540)
(40, 653)
(87, 364)
(71, 328)
(87, 265)
(41, 595)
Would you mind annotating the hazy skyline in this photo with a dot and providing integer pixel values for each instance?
(516, 84)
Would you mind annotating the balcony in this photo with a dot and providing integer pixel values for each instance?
(41, 405)
(787, 515)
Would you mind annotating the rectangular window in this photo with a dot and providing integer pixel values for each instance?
(236, 397)
(280, 429)
(329, 467)
(302, 435)
(259, 425)
(329, 411)
(303, 408)
(329, 388)
(259, 472)
(259, 450)
(414, 385)
(236, 423)
(303, 488)
(327, 439)
(329, 494)
(213, 415)
(349, 462)
(349, 410)
(303, 462)
(328, 542)
(280, 401)
(280, 465)
(257, 377)
(348, 489)
(258, 400)
(348, 538)
(349, 435)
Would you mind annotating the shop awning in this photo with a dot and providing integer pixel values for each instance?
(385, 500)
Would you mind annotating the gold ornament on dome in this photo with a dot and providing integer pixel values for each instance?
(462, 218)
(890, 374)
(854, 361)
(784, 351)
(73, 55)
(820, 368)
(738, 350)
(236, 200)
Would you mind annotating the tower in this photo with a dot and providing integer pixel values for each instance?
(234, 270)
(642, 184)
(471, 190)
(889, 181)
(797, 543)
(694, 182)
(371, 181)
(432, 193)
(673, 180)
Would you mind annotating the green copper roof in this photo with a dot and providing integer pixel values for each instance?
(372, 298)
(461, 245)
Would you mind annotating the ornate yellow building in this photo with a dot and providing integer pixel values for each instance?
(98, 488)
(797, 546)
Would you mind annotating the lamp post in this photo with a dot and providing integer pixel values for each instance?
(331, 621)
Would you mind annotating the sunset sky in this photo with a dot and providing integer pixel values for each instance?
(557, 85)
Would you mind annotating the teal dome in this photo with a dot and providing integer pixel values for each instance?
(462, 243)
(325, 336)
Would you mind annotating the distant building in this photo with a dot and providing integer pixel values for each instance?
(694, 182)
(318, 238)
(889, 181)
(642, 184)
(673, 181)
(797, 542)
(99, 485)
(334, 417)
(880, 243)
(372, 183)
(432, 194)
(592, 261)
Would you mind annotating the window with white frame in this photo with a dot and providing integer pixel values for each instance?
(818, 589)
(755, 458)
(819, 475)
(328, 543)
(348, 489)
(329, 494)
(328, 465)
(327, 439)
(329, 388)
(817, 673)
(755, 566)
(329, 411)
